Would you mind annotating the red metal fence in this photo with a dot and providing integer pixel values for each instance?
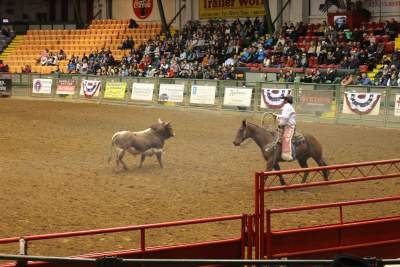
(229, 248)
(325, 239)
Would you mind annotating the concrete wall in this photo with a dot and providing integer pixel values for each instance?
(16, 9)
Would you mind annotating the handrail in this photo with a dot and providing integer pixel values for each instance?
(334, 204)
(332, 167)
(119, 229)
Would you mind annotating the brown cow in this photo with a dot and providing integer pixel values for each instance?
(146, 143)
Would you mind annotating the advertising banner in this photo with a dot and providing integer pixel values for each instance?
(90, 88)
(315, 101)
(202, 94)
(272, 98)
(171, 92)
(66, 87)
(361, 103)
(42, 86)
(230, 9)
(240, 97)
(5, 87)
(142, 91)
(115, 90)
(142, 8)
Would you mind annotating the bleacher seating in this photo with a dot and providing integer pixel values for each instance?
(100, 34)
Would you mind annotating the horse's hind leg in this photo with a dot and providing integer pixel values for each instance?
(321, 162)
(278, 168)
(303, 164)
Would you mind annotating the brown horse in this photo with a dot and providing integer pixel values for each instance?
(271, 150)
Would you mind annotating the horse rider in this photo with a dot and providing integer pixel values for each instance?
(286, 126)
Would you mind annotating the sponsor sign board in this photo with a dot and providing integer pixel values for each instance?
(42, 86)
(202, 94)
(238, 97)
(142, 91)
(171, 92)
(115, 90)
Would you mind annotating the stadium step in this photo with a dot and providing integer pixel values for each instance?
(10, 49)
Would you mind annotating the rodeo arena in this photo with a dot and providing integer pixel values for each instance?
(199, 133)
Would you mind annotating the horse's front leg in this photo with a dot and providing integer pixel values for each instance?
(278, 168)
(269, 167)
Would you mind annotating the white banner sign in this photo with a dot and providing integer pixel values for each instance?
(171, 92)
(142, 91)
(202, 94)
(397, 106)
(90, 88)
(42, 86)
(361, 103)
(238, 97)
(272, 98)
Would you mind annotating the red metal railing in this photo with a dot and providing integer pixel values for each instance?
(246, 232)
(340, 173)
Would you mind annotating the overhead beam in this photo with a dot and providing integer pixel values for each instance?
(268, 19)
(177, 14)
(165, 26)
(281, 11)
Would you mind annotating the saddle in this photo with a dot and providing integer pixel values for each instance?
(297, 139)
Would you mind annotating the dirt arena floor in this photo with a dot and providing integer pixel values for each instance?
(54, 175)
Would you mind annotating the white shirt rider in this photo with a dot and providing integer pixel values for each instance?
(288, 115)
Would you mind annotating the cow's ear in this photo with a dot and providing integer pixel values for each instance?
(244, 123)
(159, 120)
(168, 123)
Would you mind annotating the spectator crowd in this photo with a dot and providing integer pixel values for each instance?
(217, 50)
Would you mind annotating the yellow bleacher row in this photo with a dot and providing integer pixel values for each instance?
(101, 34)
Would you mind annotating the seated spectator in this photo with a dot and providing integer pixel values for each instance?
(3, 67)
(307, 78)
(364, 80)
(392, 81)
(290, 76)
(281, 76)
(267, 62)
(260, 55)
(61, 55)
(354, 62)
(303, 62)
(132, 24)
(347, 80)
(6, 31)
(290, 62)
(317, 76)
(330, 76)
(26, 69)
(71, 67)
(43, 57)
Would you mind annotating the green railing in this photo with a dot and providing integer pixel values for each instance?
(22, 86)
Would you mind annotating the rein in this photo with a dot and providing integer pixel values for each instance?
(270, 146)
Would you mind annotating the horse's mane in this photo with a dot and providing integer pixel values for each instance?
(260, 127)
